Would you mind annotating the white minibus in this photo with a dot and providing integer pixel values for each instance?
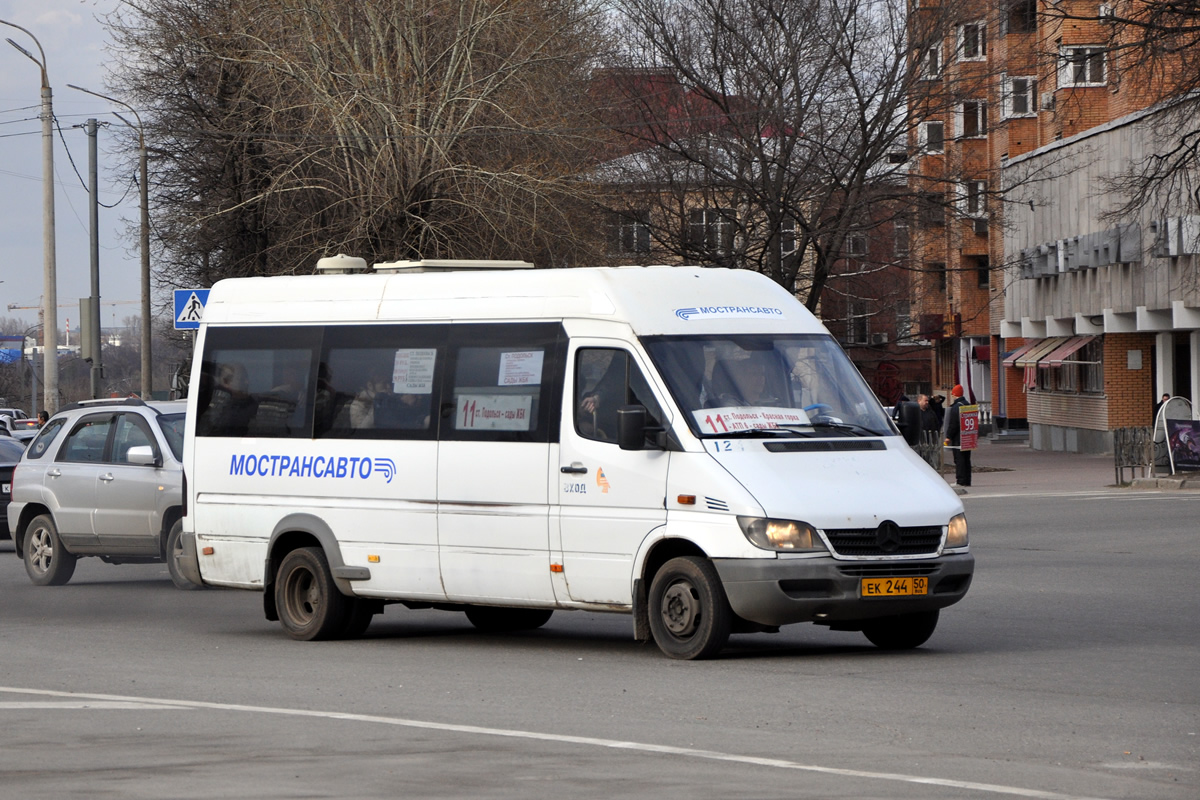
(688, 446)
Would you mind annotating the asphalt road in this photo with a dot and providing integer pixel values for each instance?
(1070, 670)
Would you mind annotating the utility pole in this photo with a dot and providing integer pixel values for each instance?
(49, 263)
(147, 364)
(94, 300)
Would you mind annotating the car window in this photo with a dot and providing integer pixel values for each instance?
(172, 428)
(132, 431)
(39, 445)
(86, 442)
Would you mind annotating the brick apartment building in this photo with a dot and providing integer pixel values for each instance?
(1058, 309)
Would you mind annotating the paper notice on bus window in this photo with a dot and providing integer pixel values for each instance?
(494, 412)
(522, 368)
(742, 418)
(412, 372)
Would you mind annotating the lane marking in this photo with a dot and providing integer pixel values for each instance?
(88, 704)
(613, 744)
(1114, 494)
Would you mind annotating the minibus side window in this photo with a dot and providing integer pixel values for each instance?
(257, 382)
(605, 380)
(508, 388)
(379, 382)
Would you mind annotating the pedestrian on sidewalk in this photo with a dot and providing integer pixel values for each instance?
(937, 403)
(951, 435)
(929, 418)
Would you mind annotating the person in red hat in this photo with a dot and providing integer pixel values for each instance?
(951, 435)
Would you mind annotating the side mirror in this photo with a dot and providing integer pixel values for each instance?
(143, 455)
(631, 427)
(909, 421)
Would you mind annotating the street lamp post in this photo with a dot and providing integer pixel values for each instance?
(49, 263)
(147, 369)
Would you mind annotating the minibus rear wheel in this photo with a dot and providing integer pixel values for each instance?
(308, 601)
(690, 616)
(903, 631)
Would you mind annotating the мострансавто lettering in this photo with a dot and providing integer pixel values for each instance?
(279, 466)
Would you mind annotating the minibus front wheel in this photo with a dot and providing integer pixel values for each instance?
(689, 614)
(308, 601)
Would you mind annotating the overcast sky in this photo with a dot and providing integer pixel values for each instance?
(74, 38)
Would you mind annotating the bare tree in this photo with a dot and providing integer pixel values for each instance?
(1153, 49)
(785, 139)
(283, 130)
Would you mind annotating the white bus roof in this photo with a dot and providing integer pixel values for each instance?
(652, 300)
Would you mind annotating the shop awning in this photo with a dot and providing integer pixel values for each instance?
(1056, 357)
(1010, 360)
(1044, 348)
(982, 352)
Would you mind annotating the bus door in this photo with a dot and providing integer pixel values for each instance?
(493, 459)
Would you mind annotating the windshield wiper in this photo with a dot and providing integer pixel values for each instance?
(782, 430)
(849, 427)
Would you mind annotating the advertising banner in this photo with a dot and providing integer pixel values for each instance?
(1183, 435)
(968, 427)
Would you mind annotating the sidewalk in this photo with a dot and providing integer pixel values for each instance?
(1015, 468)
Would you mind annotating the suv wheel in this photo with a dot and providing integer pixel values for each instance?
(46, 560)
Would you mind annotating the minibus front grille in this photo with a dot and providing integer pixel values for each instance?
(869, 541)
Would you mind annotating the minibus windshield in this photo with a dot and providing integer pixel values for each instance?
(767, 384)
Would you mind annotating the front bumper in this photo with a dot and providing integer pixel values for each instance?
(783, 591)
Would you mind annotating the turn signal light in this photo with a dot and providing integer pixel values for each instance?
(686, 499)
(208, 551)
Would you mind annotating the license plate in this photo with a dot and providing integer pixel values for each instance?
(6, 489)
(894, 587)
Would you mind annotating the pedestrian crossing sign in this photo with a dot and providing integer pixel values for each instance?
(189, 308)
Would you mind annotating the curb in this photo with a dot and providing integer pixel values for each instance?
(1165, 483)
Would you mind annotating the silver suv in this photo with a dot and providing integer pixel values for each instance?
(103, 478)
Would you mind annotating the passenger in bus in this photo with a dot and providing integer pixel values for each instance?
(362, 407)
(231, 407)
(746, 383)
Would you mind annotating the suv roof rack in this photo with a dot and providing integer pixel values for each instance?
(105, 401)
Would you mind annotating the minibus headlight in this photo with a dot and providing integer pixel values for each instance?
(780, 534)
(956, 533)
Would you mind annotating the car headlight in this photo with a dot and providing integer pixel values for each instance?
(780, 534)
(956, 531)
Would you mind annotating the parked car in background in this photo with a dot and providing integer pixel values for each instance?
(23, 429)
(102, 478)
(11, 451)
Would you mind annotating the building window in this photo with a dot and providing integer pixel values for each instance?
(633, 232)
(1021, 17)
(1082, 66)
(975, 198)
(858, 330)
(931, 64)
(1020, 97)
(972, 41)
(932, 136)
(904, 324)
(982, 272)
(900, 233)
(856, 244)
(1091, 367)
(938, 270)
(972, 119)
(710, 231)
(787, 239)
(932, 209)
